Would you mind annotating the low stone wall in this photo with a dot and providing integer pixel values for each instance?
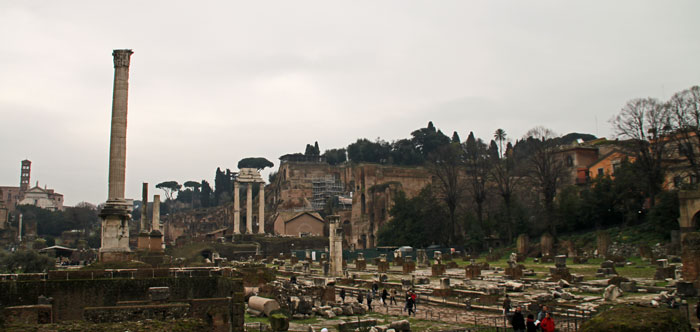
(220, 312)
(135, 313)
(28, 314)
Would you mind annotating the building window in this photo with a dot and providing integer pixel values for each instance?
(600, 172)
(677, 181)
(569, 161)
(615, 167)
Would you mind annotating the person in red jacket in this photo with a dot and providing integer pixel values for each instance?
(547, 323)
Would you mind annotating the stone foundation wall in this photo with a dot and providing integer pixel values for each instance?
(71, 296)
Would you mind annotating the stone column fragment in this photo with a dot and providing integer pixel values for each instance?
(335, 245)
(144, 208)
(156, 213)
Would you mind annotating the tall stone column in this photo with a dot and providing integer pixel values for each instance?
(249, 208)
(117, 212)
(261, 209)
(117, 143)
(236, 208)
(144, 208)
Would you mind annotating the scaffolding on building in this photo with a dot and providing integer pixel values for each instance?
(324, 188)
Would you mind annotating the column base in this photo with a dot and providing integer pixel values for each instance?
(115, 255)
(156, 241)
(144, 241)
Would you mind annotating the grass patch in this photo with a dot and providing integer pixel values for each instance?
(629, 318)
(250, 319)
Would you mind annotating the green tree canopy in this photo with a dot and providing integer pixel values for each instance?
(255, 162)
(335, 156)
(364, 150)
(428, 139)
(418, 222)
(223, 186)
(192, 184)
(169, 187)
(205, 194)
(25, 261)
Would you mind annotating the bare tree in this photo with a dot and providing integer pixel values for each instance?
(646, 123)
(503, 174)
(478, 165)
(545, 169)
(447, 168)
(684, 108)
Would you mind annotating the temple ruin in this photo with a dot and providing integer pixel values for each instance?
(249, 176)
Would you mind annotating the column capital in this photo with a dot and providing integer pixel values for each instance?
(122, 58)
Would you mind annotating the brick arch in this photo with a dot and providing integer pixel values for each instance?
(689, 202)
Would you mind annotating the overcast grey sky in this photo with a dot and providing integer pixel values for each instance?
(213, 82)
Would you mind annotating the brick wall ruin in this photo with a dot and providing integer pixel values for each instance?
(372, 187)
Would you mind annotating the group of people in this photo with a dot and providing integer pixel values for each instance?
(544, 322)
(384, 296)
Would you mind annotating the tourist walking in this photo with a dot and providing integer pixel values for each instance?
(385, 294)
(342, 295)
(375, 288)
(392, 298)
(547, 323)
(359, 296)
(414, 299)
(409, 304)
(369, 300)
(506, 305)
(530, 323)
(518, 321)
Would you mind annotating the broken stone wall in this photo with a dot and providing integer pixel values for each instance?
(196, 223)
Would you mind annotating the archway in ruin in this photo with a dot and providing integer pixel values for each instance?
(689, 202)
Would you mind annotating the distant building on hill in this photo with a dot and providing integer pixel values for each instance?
(24, 195)
(43, 197)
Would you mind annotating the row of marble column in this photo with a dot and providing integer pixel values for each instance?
(249, 208)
